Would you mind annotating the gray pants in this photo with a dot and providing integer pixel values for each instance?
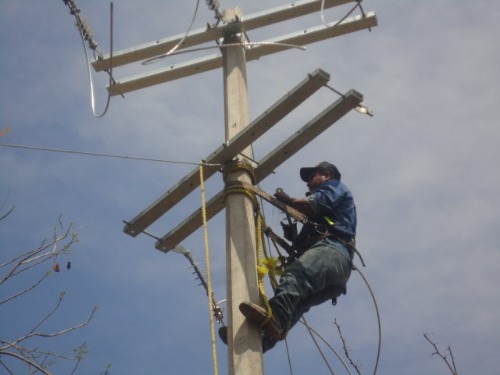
(318, 275)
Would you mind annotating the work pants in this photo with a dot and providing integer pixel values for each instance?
(318, 275)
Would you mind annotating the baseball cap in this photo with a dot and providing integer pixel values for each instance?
(306, 172)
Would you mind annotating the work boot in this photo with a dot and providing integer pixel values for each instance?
(223, 334)
(257, 315)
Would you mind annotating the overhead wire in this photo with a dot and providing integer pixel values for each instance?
(174, 48)
(226, 45)
(379, 325)
(358, 5)
(317, 347)
(313, 331)
(86, 35)
(97, 154)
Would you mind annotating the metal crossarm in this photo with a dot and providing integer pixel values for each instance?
(205, 35)
(267, 47)
(225, 153)
(307, 133)
(267, 165)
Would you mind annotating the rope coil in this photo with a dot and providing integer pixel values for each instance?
(238, 166)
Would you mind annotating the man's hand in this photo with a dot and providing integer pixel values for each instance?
(282, 196)
(300, 204)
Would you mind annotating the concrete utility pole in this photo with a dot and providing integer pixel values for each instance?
(244, 342)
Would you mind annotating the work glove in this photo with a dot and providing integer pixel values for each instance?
(282, 196)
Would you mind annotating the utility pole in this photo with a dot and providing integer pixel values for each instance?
(244, 341)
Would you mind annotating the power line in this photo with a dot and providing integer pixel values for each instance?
(98, 154)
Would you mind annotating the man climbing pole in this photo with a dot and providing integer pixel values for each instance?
(324, 248)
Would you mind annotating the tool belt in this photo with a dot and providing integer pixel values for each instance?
(299, 245)
(312, 233)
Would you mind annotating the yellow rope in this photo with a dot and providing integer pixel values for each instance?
(207, 266)
(265, 264)
(262, 263)
(261, 268)
(274, 266)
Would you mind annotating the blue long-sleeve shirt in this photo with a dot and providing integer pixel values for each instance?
(334, 200)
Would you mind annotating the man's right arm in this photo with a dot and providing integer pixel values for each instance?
(300, 204)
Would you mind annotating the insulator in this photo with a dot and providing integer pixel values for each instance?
(86, 31)
(92, 44)
(212, 4)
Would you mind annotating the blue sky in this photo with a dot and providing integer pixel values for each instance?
(422, 171)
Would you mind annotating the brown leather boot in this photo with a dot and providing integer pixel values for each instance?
(257, 315)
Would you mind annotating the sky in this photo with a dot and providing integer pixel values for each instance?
(422, 171)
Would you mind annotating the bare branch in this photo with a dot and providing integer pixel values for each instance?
(34, 333)
(22, 348)
(20, 293)
(451, 366)
(346, 350)
(311, 329)
(6, 368)
(43, 253)
(72, 328)
(26, 360)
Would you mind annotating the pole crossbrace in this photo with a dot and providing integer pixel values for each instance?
(267, 165)
(210, 34)
(267, 47)
(225, 153)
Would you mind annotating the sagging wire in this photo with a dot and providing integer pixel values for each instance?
(212, 5)
(312, 332)
(379, 346)
(318, 348)
(108, 155)
(174, 48)
(379, 325)
(226, 45)
(86, 35)
(358, 5)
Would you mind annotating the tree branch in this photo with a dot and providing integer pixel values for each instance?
(346, 350)
(26, 360)
(20, 293)
(35, 257)
(23, 349)
(451, 366)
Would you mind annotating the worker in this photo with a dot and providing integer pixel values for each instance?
(324, 247)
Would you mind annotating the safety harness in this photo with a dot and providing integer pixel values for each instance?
(290, 228)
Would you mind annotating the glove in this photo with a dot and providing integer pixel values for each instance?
(282, 196)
